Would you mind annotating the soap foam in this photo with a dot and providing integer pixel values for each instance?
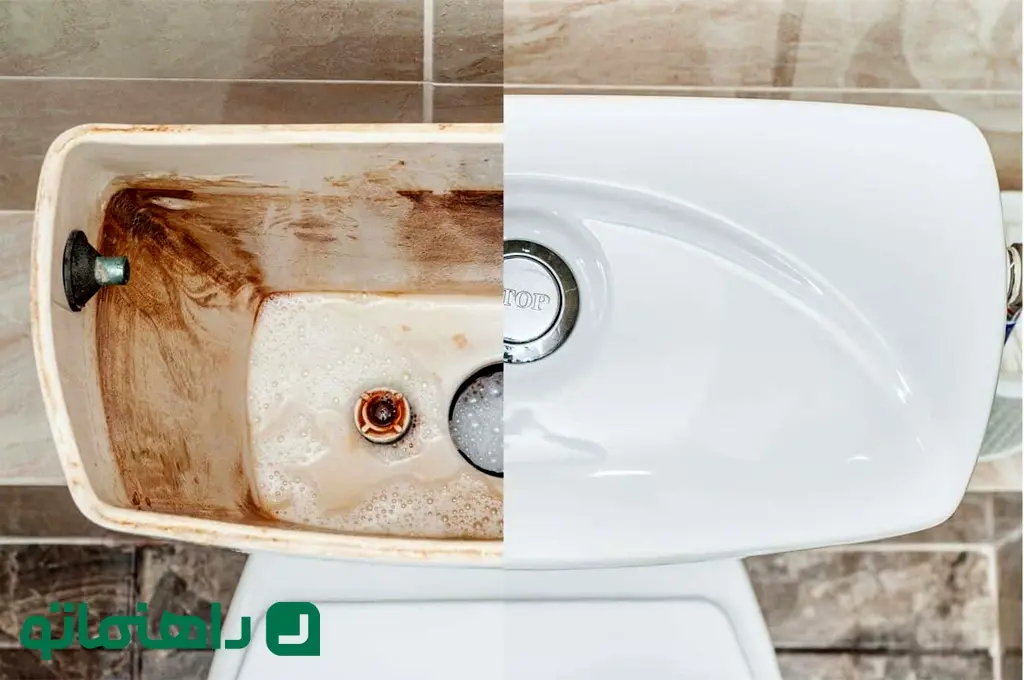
(312, 355)
(476, 424)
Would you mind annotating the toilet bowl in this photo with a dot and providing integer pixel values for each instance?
(731, 328)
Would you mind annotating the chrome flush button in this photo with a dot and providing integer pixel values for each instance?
(541, 301)
(532, 298)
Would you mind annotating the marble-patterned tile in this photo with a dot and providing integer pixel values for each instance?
(26, 449)
(1008, 585)
(33, 576)
(840, 666)
(175, 664)
(909, 45)
(1006, 513)
(34, 111)
(970, 523)
(876, 600)
(643, 42)
(455, 104)
(1012, 667)
(1004, 474)
(237, 39)
(68, 664)
(46, 512)
(187, 579)
(468, 41)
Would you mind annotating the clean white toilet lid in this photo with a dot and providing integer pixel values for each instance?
(685, 639)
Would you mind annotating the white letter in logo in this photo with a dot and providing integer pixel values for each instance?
(301, 637)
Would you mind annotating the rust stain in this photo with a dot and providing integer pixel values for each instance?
(406, 329)
(383, 415)
(172, 346)
(460, 340)
(462, 227)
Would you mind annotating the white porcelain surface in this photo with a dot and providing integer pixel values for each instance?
(791, 317)
(684, 622)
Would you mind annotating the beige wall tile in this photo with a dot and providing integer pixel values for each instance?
(1012, 667)
(1003, 474)
(913, 44)
(840, 666)
(468, 41)
(721, 43)
(1006, 514)
(46, 512)
(26, 450)
(468, 105)
(317, 39)
(34, 111)
(871, 600)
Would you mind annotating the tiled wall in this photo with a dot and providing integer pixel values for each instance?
(66, 62)
(962, 56)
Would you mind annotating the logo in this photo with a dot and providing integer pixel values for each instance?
(293, 629)
(524, 299)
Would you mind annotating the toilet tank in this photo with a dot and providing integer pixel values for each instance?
(790, 318)
(177, 413)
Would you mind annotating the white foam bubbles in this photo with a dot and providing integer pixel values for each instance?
(476, 423)
(312, 355)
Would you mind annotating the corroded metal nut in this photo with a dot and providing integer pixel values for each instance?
(382, 415)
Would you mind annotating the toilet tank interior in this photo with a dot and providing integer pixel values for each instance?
(273, 280)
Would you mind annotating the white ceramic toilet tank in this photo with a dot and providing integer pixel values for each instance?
(790, 317)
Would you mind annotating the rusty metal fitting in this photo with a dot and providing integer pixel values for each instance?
(382, 415)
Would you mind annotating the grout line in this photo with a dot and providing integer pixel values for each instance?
(293, 81)
(477, 85)
(428, 61)
(50, 482)
(428, 102)
(428, 41)
(112, 542)
(993, 586)
(746, 88)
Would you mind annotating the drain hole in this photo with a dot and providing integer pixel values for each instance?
(382, 415)
(475, 420)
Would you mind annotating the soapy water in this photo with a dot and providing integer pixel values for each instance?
(312, 355)
(476, 422)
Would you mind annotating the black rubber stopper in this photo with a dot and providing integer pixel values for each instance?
(79, 271)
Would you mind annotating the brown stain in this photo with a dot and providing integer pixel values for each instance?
(461, 227)
(314, 230)
(172, 346)
(460, 340)
(406, 329)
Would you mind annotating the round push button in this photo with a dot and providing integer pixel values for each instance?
(531, 298)
(541, 301)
